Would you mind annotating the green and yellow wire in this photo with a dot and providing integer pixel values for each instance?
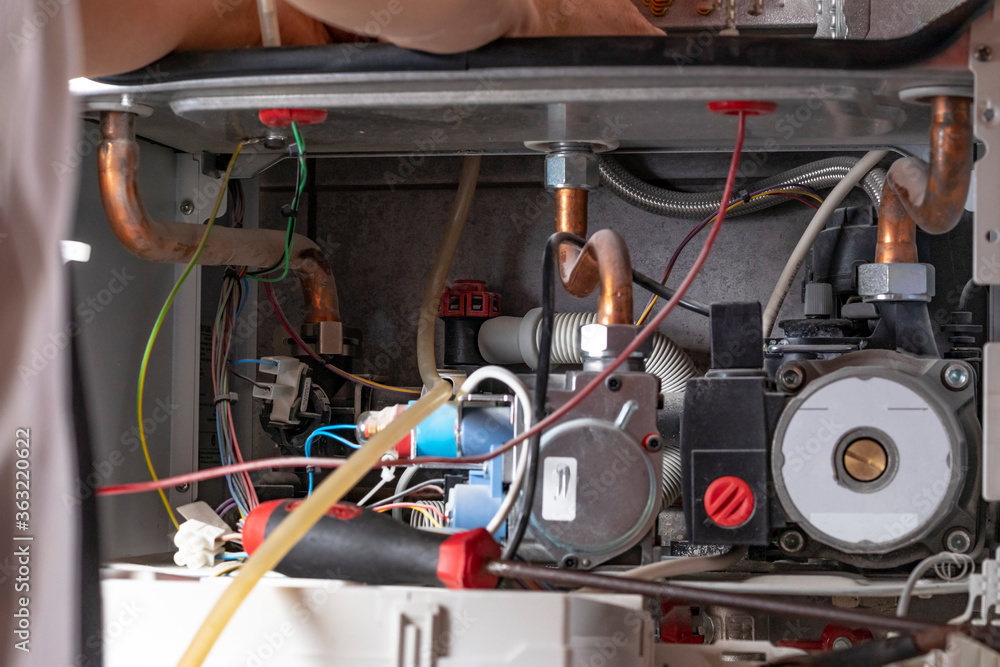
(162, 316)
(777, 191)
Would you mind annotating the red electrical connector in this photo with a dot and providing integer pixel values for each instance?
(469, 298)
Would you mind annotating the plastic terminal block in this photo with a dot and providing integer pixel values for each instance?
(284, 391)
(985, 585)
(197, 544)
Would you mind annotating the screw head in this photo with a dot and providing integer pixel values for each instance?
(841, 643)
(570, 562)
(187, 207)
(956, 376)
(791, 541)
(652, 443)
(275, 142)
(613, 383)
(958, 541)
(984, 52)
(790, 378)
(181, 488)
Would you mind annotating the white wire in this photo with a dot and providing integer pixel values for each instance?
(922, 568)
(381, 483)
(809, 236)
(527, 419)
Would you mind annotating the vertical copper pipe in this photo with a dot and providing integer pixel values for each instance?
(118, 166)
(603, 263)
(930, 196)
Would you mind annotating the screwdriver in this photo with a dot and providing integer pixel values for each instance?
(357, 544)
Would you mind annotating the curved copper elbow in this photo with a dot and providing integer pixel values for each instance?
(176, 242)
(930, 196)
(603, 263)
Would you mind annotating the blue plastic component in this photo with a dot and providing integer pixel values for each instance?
(435, 436)
(482, 430)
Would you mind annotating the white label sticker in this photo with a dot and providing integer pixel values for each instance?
(559, 489)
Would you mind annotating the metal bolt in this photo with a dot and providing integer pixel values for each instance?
(791, 541)
(958, 541)
(865, 460)
(984, 52)
(187, 207)
(791, 378)
(956, 376)
(275, 142)
(614, 383)
(181, 488)
(842, 643)
(569, 562)
(652, 443)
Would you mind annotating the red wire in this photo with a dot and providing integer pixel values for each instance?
(632, 347)
(301, 461)
(221, 471)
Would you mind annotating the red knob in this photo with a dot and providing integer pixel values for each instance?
(729, 501)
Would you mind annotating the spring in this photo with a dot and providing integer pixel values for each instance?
(658, 7)
(419, 519)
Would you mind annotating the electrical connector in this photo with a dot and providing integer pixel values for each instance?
(198, 544)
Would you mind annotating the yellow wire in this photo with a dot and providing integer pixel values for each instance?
(806, 193)
(159, 323)
(430, 517)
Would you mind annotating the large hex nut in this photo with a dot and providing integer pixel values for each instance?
(896, 282)
(576, 169)
(607, 341)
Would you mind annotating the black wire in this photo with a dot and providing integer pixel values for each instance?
(403, 494)
(244, 377)
(653, 286)
(549, 278)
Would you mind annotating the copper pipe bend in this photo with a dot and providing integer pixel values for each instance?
(930, 196)
(603, 263)
(176, 242)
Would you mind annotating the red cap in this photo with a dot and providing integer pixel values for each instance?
(463, 557)
(749, 107)
(285, 117)
(729, 501)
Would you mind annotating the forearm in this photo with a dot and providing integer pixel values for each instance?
(439, 26)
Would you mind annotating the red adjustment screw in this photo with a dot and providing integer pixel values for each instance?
(469, 298)
(729, 502)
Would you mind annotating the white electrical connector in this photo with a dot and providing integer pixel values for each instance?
(198, 544)
(985, 585)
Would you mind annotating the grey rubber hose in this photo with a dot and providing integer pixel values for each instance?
(667, 360)
(514, 340)
(672, 484)
(700, 205)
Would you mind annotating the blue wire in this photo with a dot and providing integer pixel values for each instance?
(234, 555)
(244, 292)
(326, 432)
(256, 361)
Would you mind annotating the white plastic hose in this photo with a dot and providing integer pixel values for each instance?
(816, 225)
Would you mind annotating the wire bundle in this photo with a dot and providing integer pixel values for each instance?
(230, 303)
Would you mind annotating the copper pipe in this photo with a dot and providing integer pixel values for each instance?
(602, 263)
(176, 242)
(930, 196)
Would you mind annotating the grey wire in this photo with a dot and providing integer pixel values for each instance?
(970, 287)
(699, 205)
(922, 568)
(403, 494)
